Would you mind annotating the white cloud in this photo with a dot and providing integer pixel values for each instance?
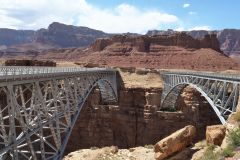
(200, 28)
(180, 29)
(35, 14)
(192, 13)
(186, 5)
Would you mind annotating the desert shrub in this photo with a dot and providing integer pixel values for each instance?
(228, 151)
(210, 154)
(234, 138)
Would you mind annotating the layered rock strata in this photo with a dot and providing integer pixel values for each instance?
(136, 120)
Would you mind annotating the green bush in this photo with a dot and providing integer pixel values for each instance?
(234, 138)
(210, 155)
(228, 152)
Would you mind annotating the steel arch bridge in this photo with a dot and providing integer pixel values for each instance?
(40, 105)
(221, 91)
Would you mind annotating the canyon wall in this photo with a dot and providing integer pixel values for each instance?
(136, 121)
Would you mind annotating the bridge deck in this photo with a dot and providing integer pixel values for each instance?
(10, 73)
(215, 76)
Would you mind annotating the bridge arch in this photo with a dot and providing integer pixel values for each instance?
(39, 107)
(108, 94)
(220, 91)
(179, 88)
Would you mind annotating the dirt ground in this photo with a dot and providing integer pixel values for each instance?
(112, 153)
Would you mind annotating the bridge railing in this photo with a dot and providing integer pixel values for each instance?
(12, 72)
(228, 77)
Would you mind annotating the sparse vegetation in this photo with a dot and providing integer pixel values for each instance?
(228, 152)
(210, 154)
(234, 138)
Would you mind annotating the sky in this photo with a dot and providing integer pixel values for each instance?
(121, 16)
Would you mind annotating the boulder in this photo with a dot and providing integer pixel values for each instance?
(215, 134)
(177, 141)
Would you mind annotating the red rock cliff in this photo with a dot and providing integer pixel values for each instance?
(143, 43)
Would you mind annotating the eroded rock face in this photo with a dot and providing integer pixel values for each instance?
(196, 107)
(144, 43)
(135, 121)
(179, 50)
(215, 134)
(228, 38)
(175, 142)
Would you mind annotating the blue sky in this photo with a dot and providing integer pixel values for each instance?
(115, 16)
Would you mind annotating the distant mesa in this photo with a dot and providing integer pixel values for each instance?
(229, 39)
(144, 43)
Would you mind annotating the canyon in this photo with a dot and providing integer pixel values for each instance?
(136, 119)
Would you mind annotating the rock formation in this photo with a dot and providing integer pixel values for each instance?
(228, 38)
(215, 134)
(143, 43)
(14, 62)
(135, 120)
(61, 35)
(175, 142)
(169, 52)
(57, 35)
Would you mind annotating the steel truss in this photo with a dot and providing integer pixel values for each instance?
(39, 107)
(221, 91)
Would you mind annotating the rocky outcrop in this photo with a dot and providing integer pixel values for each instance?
(215, 134)
(100, 44)
(175, 142)
(191, 102)
(143, 43)
(228, 38)
(14, 62)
